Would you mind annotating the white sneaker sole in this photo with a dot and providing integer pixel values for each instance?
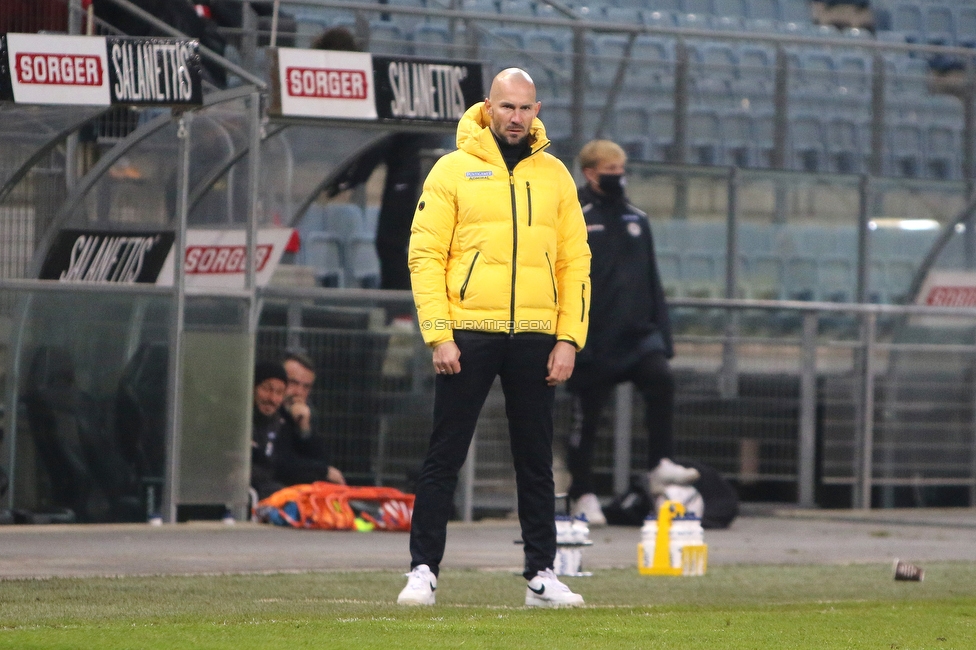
(413, 602)
(534, 601)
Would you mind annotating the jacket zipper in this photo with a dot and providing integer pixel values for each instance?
(511, 187)
(528, 194)
(583, 301)
(464, 287)
(552, 277)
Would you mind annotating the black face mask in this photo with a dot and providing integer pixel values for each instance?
(613, 185)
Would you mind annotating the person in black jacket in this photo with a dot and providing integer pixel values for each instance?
(275, 462)
(630, 334)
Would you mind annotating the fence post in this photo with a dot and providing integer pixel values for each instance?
(622, 435)
(174, 415)
(866, 424)
(807, 452)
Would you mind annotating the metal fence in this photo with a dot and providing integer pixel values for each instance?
(838, 404)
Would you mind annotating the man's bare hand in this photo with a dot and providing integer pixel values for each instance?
(447, 358)
(561, 362)
(335, 476)
(301, 414)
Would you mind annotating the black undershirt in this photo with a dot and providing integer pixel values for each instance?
(512, 153)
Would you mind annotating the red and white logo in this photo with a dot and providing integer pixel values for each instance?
(224, 259)
(50, 69)
(326, 83)
(943, 296)
(64, 69)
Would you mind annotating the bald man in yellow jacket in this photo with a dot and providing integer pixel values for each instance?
(499, 267)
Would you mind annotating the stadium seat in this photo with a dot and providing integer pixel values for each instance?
(905, 150)
(762, 134)
(704, 137)
(503, 47)
(800, 278)
(670, 6)
(662, 133)
(737, 142)
(756, 72)
(323, 252)
(764, 10)
(343, 220)
(433, 40)
(734, 8)
(807, 143)
(816, 74)
(386, 38)
(478, 6)
(624, 15)
(794, 11)
(632, 124)
(365, 263)
(655, 18)
(407, 22)
(703, 7)
(846, 150)
(556, 115)
(966, 26)
(853, 71)
(939, 25)
(943, 152)
(907, 18)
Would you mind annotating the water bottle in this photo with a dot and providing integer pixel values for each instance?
(685, 531)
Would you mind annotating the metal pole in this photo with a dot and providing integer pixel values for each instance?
(878, 82)
(579, 90)
(622, 435)
(729, 379)
(865, 191)
(174, 416)
(867, 412)
(253, 184)
(467, 478)
(781, 126)
(274, 23)
(807, 452)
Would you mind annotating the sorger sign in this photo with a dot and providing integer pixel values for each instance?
(218, 258)
(323, 83)
(49, 69)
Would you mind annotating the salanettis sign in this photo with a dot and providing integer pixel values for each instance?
(322, 83)
(410, 88)
(99, 71)
(947, 289)
(218, 258)
(107, 256)
(331, 84)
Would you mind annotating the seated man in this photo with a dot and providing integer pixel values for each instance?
(275, 461)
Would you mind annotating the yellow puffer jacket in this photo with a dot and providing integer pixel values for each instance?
(474, 219)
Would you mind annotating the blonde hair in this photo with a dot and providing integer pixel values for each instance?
(596, 150)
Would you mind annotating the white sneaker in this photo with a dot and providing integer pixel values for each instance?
(589, 506)
(545, 590)
(668, 473)
(421, 585)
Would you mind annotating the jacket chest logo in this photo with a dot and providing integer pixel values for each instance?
(475, 176)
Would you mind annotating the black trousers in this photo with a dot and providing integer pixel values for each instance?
(653, 378)
(520, 361)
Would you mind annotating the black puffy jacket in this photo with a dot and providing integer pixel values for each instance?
(628, 313)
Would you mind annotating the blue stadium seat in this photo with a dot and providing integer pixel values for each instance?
(905, 149)
(407, 22)
(655, 18)
(704, 137)
(940, 25)
(816, 75)
(966, 26)
(547, 53)
(807, 143)
(845, 147)
(737, 140)
(624, 15)
(662, 133)
(712, 67)
(503, 48)
(694, 21)
(943, 152)
(800, 277)
(736, 8)
(705, 7)
(323, 252)
(387, 38)
(364, 263)
(433, 40)
(794, 11)
(343, 219)
(478, 6)
(762, 133)
(671, 6)
(632, 124)
(854, 73)
(756, 72)
(907, 18)
(764, 10)
(729, 23)
(556, 115)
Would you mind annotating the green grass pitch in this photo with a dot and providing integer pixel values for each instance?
(749, 607)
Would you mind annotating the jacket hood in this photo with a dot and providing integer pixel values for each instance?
(474, 136)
